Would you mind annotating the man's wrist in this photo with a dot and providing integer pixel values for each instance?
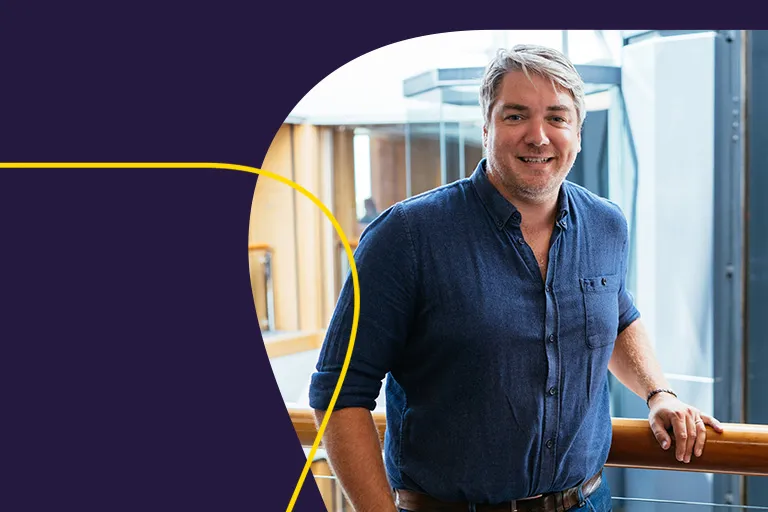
(657, 391)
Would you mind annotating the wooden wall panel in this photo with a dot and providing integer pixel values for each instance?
(344, 181)
(308, 227)
(343, 195)
(472, 156)
(425, 164)
(272, 223)
(387, 170)
(307, 258)
(305, 263)
(328, 233)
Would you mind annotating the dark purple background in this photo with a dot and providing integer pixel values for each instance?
(133, 373)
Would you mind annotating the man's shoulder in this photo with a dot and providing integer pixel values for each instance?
(438, 201)
(591, 204)
(418, 213)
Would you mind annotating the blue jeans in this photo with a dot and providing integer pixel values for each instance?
(598, 501)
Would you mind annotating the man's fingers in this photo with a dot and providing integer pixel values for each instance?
(690, 424)
(680, 429)
(657, 427)
(711, 421)
(701, 437)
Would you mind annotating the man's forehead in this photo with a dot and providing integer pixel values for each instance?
(518, 88)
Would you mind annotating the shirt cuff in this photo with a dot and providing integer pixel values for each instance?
(356, 391)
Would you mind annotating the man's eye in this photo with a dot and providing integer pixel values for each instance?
(513, 117)
(558, 119)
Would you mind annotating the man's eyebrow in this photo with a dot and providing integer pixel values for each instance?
(523, 108)
(514, 106)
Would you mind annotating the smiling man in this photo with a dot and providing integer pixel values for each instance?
(495, 307)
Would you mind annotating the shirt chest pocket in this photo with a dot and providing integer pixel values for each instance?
(601, 308)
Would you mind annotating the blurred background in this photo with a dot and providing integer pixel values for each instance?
(674, 135)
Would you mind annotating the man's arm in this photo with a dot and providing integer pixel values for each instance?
(634, 363)
(387, 271)
(352, 443)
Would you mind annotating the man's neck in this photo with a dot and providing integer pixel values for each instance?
(536, 214)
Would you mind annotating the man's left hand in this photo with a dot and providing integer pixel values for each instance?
(688, 425)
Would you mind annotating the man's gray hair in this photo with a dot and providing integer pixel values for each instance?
(528, 58)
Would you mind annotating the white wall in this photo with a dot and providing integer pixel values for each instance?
(668, 86)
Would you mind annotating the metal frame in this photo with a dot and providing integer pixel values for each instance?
(443, 163)
(408, 186)
(635, 36)
(270, 291)
(728, 275)
(756, 266)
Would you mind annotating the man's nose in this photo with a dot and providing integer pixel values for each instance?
(536, 134)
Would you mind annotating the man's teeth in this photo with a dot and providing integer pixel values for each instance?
(535, 160)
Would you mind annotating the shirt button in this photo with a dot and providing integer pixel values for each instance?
(604, 281)
(551, 338)
(552, 391)
(550, 444)
(521, 240)
(548, 289)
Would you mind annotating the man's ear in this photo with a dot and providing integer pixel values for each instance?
(485, 135)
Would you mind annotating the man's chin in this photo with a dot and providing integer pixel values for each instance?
(538, 192)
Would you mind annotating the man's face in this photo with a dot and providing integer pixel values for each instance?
(532, 137)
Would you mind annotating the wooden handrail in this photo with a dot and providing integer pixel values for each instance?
(259, 247)
(742, 449)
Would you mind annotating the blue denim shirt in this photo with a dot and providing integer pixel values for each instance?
(496, 379)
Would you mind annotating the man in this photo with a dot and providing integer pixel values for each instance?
(494, 306)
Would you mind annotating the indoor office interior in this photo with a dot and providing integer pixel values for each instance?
(676, 134)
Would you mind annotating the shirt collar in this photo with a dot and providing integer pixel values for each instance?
(501, 210)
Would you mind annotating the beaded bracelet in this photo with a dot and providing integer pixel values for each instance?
(657, 391)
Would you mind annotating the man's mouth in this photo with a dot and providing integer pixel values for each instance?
(535, 160)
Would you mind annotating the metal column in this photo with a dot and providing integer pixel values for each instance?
(756, 272)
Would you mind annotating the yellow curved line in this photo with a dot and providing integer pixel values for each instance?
(281, 179)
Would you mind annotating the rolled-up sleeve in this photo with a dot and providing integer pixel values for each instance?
(387, 272)
(628, 313)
